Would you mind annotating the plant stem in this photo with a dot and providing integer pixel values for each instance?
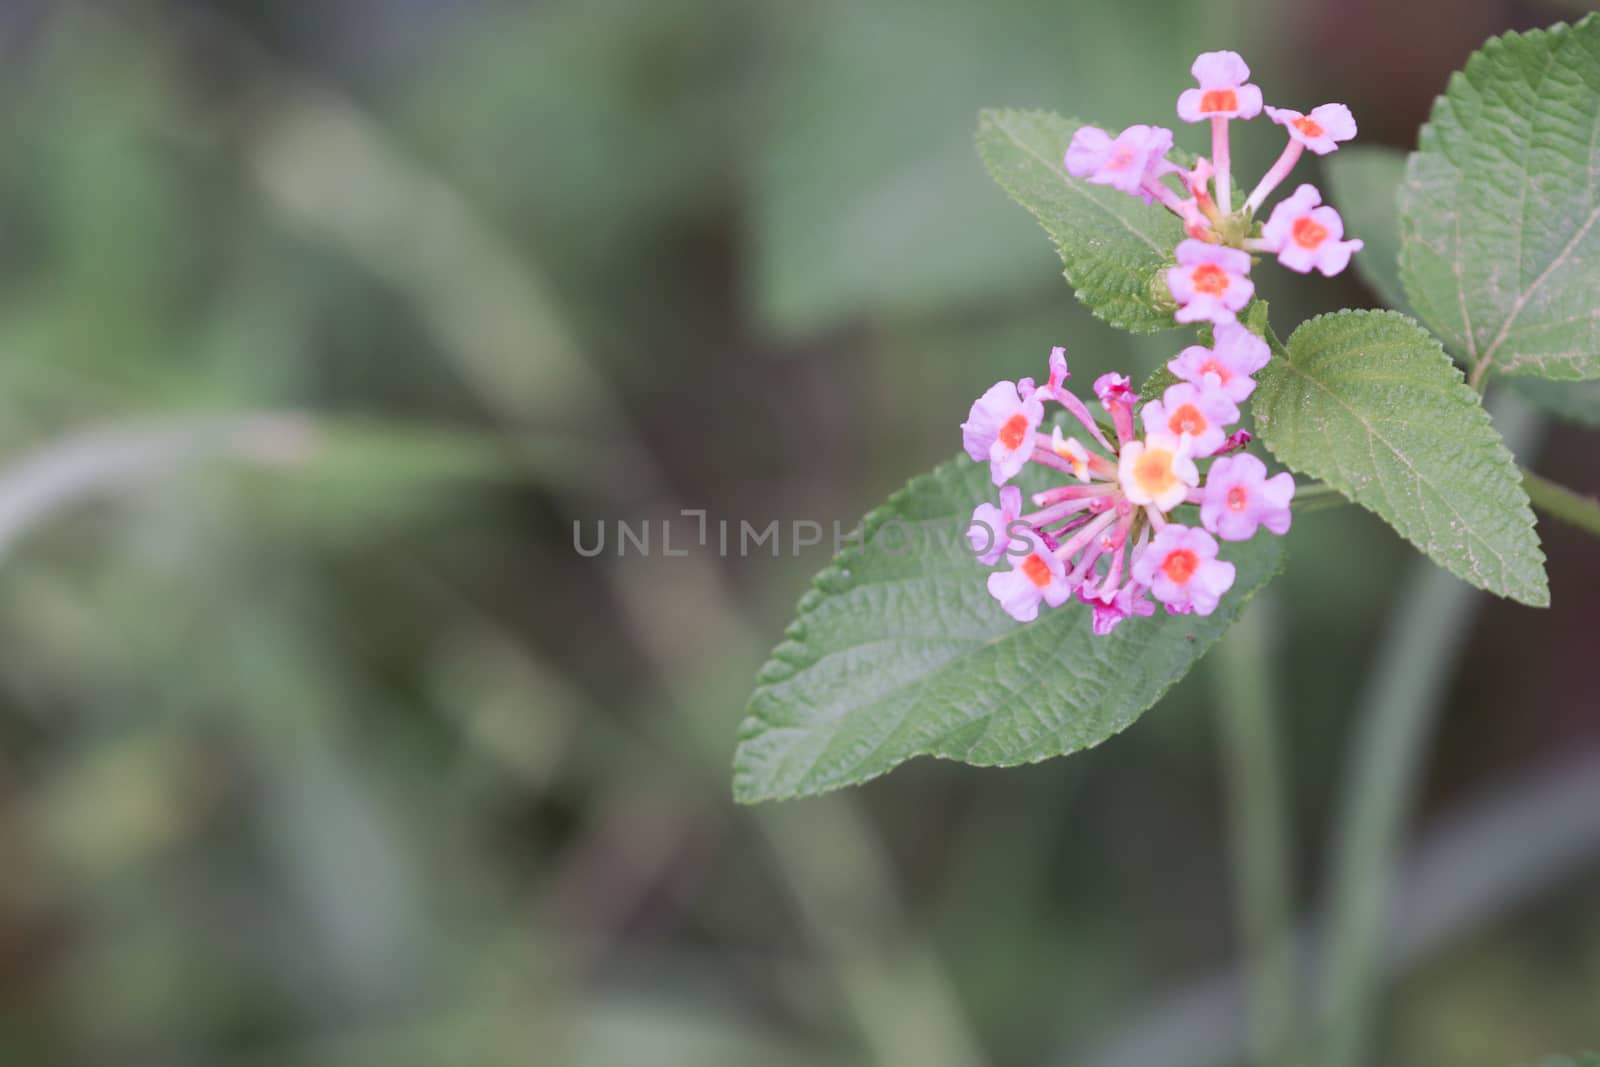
(1242, 687)
(1312, 490)
(1315, 497)
(1562, 503)
(1478, 377)
(1417, 656)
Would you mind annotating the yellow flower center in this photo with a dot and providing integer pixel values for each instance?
(1153, 471)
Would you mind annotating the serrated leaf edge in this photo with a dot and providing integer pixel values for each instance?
(1428, 139)
(795, 633)
(1523, 507)
(993, 117)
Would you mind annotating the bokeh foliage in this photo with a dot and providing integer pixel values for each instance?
(321, 746)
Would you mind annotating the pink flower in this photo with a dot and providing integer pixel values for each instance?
(1000, 429)
(1239, 497)
(1034, 576)
(1210, 282)
(1123, 163)
(1157, 472)
(1071, 449)
(1182, 569)
(989, 532)
(1058, 370)
(1223, 93)
(1117, 397)
(1319, 131)
(1118, 604)
(1306, 236)
(1234, 356)
(1061, 395)
(1236, 440)
(1200, 411)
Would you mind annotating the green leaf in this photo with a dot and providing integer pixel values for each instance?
(1581, 1059)
(1501, 207)
(1365, 183)
(899, 651)
(1160, 379)
(1114, 245)
(1369, 402)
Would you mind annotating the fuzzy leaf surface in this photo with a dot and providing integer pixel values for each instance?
(1369, 402)
(899, 651)
(1365, 184)
(1114, 246)
(1501, 207)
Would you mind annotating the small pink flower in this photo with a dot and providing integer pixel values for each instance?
(1117, 397)
(1321, 131)
(990, 529)
(1306, 236)
(1034, 576)
(1157, 472)
(1201, 411)
(1228, 364)
(1123, 163)
(1118, 604)
(1223, 93)
(1071, 449)
(1210, 282)
(1182, 569)
(1063, 396)
(1239, 497)
(1058, 370)
(1196, 210)
(1000, 429)
(1236, 440)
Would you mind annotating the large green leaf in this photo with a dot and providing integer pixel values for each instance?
(1365, 183)
(1581, 1059)
(1114, 245)
(899, 651)
(1369, 402)
(1501, 207)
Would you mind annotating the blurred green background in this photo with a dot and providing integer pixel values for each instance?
(322, 322)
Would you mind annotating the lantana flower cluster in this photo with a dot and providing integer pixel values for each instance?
(1211, 281)
(1135, 516)
(1110, 533)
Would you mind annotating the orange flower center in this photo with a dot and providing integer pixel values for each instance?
(1180, 566)
(1119, 159)
(1187, 419)
(1210, 279)
(1308, 126)
(1237, 498)
(1037, 570)
(1014, 430)
(1153, 471)
(1213, 367)
(1219, 100)
(1308, 232)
